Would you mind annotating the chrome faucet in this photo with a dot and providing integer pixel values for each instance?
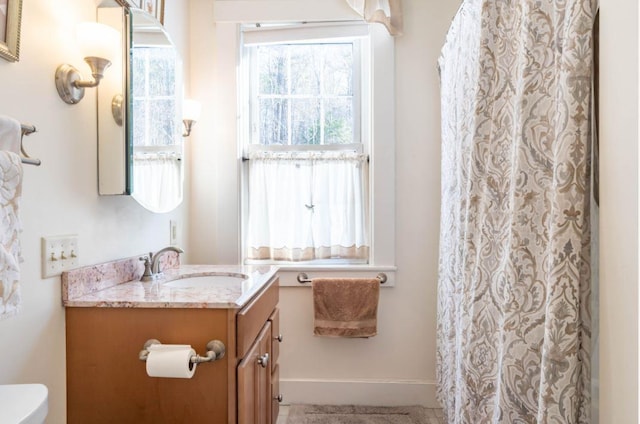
(152, 263)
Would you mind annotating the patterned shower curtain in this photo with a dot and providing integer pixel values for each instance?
(514, 320)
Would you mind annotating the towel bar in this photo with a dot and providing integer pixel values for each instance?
(215, 350)
(304, 278)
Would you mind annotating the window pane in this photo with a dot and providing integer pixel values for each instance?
(272, 67)
(162, 125)
(338, 121)
(273, 121)
(139, 122)
(306, 69)
(162, 67)
(138, 63)
(305, 94)
(305, 121)
(338, 70)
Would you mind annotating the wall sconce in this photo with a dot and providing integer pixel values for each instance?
(191, 110)
(98, 44)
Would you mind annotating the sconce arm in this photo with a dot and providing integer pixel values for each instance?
(188, 123)
(89, 84)
(69, 81)
(98, 66)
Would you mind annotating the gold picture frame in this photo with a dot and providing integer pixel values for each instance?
(155, 8)
(10, 17)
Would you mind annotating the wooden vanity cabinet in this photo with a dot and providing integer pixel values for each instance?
(107, 382)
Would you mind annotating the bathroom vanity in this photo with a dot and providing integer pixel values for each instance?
(108, 323)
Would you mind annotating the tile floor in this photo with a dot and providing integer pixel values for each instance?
(434, 416)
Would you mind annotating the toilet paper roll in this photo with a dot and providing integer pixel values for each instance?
(171, 361)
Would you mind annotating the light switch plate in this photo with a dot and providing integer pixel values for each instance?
(59, 253)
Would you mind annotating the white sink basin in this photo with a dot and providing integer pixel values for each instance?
(207, 281)
(23, 403)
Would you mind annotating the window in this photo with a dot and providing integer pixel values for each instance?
(306, 138)
(303, 94)
(154, 99)
(156, 160)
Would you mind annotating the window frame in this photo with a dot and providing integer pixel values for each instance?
(362, 108)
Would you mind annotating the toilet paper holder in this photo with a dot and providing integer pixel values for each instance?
(215, 351)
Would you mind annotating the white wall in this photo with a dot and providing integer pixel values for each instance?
(619, 186)
(60, 197)
(398, 365)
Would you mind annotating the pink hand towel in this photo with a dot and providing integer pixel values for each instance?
(345, 307)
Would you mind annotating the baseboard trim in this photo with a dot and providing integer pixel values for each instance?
(359, 392)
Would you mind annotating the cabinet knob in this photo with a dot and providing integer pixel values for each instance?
(264, 360)
(279, 398)
(279, 338)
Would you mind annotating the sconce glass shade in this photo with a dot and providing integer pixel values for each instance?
(98, 40)
(191, 110)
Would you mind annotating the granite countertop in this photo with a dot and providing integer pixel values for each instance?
(116, 285)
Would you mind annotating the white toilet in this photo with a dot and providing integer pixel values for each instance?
(23, 403)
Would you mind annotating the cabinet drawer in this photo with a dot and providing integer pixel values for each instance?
(252, 317)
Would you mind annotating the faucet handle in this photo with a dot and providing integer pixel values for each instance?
(146, 275)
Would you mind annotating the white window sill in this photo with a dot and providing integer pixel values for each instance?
(289, 273)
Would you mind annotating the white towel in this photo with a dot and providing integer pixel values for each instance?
(10, 134)
(10, 228)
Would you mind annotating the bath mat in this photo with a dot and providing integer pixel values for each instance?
(351, 414)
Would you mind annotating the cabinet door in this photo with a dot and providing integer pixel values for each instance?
(276, 397)
(254, 381)
(276, 339)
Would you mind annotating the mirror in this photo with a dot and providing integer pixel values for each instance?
(140, 133)
(155, 78)
(112, 134)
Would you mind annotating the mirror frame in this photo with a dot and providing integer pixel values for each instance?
(10, 46)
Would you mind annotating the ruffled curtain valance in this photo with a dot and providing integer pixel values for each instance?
(386, 12)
